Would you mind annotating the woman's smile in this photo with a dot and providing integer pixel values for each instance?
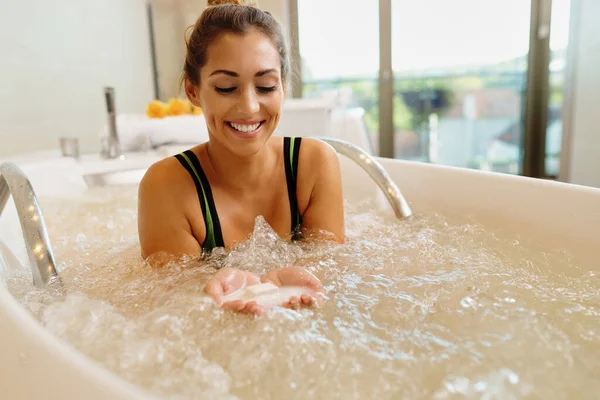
(245, 129)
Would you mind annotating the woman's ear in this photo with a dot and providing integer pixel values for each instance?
(192, 92)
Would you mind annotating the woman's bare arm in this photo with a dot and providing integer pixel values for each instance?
(163, 227)
(325, 211)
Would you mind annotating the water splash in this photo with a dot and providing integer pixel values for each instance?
(425, 308)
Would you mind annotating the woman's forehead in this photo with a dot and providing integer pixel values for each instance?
(244, 54)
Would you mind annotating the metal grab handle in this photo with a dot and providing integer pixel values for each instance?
(41, 258)
(375, 171)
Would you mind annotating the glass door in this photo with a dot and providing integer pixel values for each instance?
(460, 70)
(339, 56)
(465, 83)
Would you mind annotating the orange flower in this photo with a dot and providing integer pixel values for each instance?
(178, 107)
(156, 109)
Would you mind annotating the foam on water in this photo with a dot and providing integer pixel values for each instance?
(425, 308)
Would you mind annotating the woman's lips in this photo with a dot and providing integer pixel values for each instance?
(245, 129)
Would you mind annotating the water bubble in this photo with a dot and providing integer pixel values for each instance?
(468, 302)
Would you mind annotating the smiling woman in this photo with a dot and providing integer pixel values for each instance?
(211, 195)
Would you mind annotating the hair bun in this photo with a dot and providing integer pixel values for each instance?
(251, 3)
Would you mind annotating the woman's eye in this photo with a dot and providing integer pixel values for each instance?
(262, 89)
(225, 90)
(266, 89)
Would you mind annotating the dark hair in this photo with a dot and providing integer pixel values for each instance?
(231, 16)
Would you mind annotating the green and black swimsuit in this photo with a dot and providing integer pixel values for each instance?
(214, 234)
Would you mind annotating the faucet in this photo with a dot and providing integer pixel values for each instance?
(375, 171)
(41, 258)
(112, 148)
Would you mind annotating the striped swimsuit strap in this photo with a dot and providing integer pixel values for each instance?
(214, 235)
(291, 152)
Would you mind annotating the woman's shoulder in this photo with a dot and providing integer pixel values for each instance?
(166, 176)
(317, 162)
(312, 150)
(316, 158)
(315, 150)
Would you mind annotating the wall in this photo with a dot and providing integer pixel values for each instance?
(582, 145)
(169, 46)
(279, 9)
(56, 58)
(170, 19)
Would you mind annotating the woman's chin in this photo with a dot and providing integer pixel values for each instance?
(248, 146)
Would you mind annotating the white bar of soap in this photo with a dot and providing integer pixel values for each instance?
(266, 294)
(261, 288)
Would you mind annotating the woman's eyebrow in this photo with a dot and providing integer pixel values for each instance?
(226, 72)
(266, 71)
(236, 75)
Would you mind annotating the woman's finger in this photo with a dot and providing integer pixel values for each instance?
(295, 302)
(214, 289)
(307, 300)
(235, 305)
(254, 309)
(239, 306)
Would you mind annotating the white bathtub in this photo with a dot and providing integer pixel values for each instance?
(37, 365)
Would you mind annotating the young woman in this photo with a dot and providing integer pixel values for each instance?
(236, 70)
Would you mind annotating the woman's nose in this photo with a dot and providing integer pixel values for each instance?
(248, 102)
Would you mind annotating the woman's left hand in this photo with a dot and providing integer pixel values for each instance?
(297, 276)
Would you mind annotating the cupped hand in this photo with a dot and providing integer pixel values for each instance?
(228, 280)
(297, 276)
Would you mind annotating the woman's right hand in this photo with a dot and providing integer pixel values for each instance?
(297, 276)
(227, 280)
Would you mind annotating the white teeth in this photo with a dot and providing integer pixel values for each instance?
(245, 128)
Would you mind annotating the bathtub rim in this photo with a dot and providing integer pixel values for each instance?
(59, 349)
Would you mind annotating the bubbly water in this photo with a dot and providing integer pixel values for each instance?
(423, 308)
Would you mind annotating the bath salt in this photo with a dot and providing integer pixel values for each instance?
(267, 294)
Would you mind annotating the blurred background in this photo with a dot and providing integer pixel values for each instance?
(510, 86)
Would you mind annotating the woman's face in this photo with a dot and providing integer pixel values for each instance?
(240, 91)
